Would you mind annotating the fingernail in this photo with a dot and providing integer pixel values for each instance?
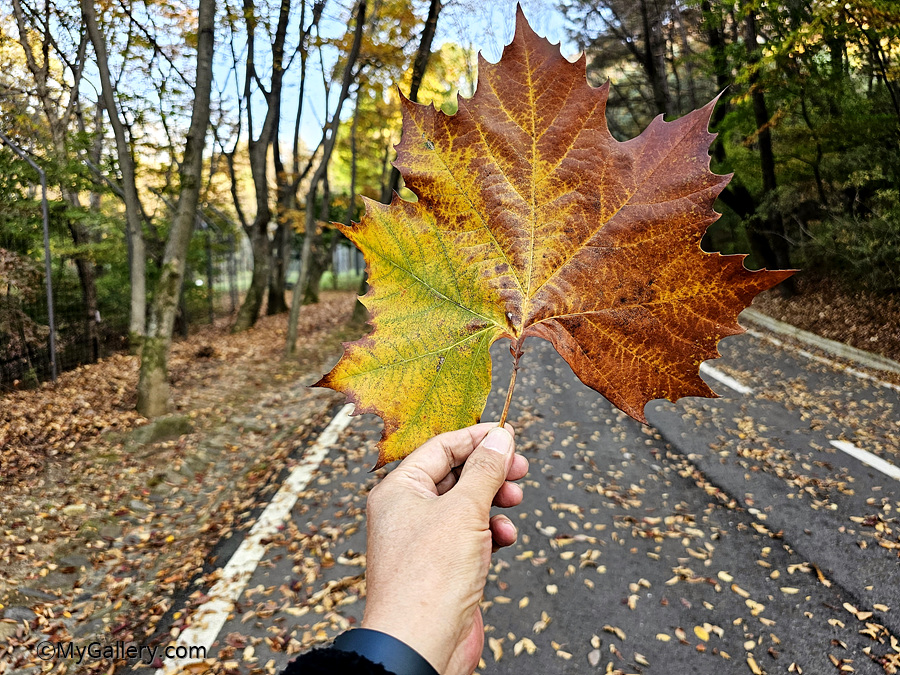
(498, 440)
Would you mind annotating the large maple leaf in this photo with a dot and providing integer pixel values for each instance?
(532, 220)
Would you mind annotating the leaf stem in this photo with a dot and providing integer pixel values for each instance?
(515, 348)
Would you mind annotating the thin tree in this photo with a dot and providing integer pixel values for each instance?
(258, 151)
(287, 180)
(420, 65)
(771, 220)
(423, 54)
(153, 385)
(318, 176)
(636, 28)
(133, 208)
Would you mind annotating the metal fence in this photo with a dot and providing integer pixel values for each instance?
(218, 273)
(46, 325)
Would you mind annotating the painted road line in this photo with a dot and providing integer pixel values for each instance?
(727, 380)
(866, 457)
(821, 359)
(208, 619)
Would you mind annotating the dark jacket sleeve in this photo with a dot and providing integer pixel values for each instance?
(362, 651)
(330, 661)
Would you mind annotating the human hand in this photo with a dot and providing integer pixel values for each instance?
(430, 537)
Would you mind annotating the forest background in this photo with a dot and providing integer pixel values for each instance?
(195, 154)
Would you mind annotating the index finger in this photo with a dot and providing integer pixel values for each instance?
(438, 456)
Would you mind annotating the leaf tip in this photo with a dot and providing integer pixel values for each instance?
(521, 21)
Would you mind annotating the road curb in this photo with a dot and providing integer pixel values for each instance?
(839, 349)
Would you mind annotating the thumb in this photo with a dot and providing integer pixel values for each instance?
(487, 467)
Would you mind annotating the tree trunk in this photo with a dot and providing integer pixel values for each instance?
(259, 158)
(837, 46)
(419, 66)
(320, 260)
(281, 242)
(327, 149)
(318, 266)
(771, 221)
(96, 155)
(258, 232)
(153, 385)
(720, 67)
(133, 210)
(302, 279)
(354, 126)
(249, 311)
(359, 310)
(693, 100)
(281, 250)
(86, 280)
(386, 174)
(287, 182)
(655, 56)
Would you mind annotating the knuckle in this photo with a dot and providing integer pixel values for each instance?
(482, 463)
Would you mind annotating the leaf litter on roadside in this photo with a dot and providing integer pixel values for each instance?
(96, 532)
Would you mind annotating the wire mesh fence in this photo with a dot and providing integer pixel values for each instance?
(90, 285)
(218, 273)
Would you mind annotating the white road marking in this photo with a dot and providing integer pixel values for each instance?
(208, 619)
(866, 457)
(821, 359)
(727, 380)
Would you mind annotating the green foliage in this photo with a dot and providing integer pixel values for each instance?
(24, 326)
(828, 75)
(862, 249)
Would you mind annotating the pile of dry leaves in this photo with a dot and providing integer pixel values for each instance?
(856, 317)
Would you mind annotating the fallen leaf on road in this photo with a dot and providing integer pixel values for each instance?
(496, 646)
(542, 624)
(740, 591)
(615, 630)
(526, 645)
(754, 667)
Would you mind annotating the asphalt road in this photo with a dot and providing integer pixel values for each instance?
(728, 536)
